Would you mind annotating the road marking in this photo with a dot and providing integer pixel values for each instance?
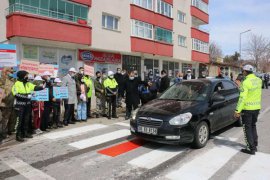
(263, 112)
(225, 138)
(256, 167)
(74, 131)
(205, 165)
(123, 124)
(122, 148)
(26, 170)
(100, 139)
(156, 157)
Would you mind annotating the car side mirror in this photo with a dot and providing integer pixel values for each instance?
(218, 98)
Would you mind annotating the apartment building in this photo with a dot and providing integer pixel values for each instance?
(146, 35)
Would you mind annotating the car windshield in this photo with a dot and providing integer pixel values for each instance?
(187, 91)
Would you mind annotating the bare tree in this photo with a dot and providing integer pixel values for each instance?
(215, 51)
(258, 49)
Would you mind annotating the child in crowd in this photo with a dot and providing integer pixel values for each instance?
(37, 107)
(56, 104)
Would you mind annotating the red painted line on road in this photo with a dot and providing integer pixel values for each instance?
(122, 148)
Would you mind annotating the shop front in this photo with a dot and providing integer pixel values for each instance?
(60, 59)
(102, 61)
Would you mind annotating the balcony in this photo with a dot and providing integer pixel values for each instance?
(199, 34)
(200, 50)
(32, 22)
(199, 10)
(200, 57)
(151, 17)
(84, 2)
(151, 47)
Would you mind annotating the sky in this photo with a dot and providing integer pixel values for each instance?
(228, 18)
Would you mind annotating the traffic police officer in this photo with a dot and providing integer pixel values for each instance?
(111, 88)
(22, 90)
(248, 106)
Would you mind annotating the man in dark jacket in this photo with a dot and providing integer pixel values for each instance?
(131, 87)
(100, 95)
(189, 75)
(164, 82)
(120, 79)
(266, 80)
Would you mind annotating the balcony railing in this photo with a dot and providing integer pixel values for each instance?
(17, 7)
(200, 5)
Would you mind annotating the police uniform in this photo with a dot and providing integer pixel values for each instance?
(249, 105)
(22, 91)
(111, 87)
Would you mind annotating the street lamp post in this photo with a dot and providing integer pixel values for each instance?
(240, 43)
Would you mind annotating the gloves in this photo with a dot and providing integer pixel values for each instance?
(29, 96)
(83, 97)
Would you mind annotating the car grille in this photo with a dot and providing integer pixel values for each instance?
(150, 122)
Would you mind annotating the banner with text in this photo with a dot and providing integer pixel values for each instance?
(8, 56)
(40, 95)
(31, 67)
(45, 67)
(60, 92)
(89, 70)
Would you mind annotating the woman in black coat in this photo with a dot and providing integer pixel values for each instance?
(131, 87)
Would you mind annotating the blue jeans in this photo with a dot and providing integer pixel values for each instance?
(81, 111)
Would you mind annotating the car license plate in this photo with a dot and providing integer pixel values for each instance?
(147, 130)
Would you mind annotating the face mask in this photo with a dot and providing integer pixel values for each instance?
(82, 80)
(58, 84)
(104, 75)
(189, 74)
(123, 73)
(131, 78)
(119, 72)
(111, 77)
(180, 77)
(82, 72)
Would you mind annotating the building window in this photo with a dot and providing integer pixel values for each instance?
(181, 17)
(147, 4)
(110, 22)
(200, 5)
(142, 29)
(57, 9)
(164, 8)
(182, 41)
(131, 63)
(163, 35)
(200, 46)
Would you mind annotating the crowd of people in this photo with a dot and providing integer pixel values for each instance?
(22, 115)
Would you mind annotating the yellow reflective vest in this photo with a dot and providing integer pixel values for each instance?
(110, 86)
(21, 92)
(89, 83)
(250, 94)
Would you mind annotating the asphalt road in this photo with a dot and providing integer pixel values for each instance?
(102, 149)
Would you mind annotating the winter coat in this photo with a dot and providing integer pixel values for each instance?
(164, 84)
(131, 88)
(6, 84)
(120, 79)
(99, 87)
(69, 82)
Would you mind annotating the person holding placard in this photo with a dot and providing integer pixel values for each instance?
(89, 85)
(56, 104)
(46, 122)
(22, 90)
(81, 95)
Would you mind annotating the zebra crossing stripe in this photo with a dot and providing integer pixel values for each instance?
(100, 139)
(156, 157)
(206, 165)
(25, 169)
(256, 167)
(74, 131)
(123, 124)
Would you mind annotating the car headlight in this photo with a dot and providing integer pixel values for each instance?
(182, 119)
(134, 114)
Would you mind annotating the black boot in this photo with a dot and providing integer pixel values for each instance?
(251, 152)
(28, 136)
(19, 138)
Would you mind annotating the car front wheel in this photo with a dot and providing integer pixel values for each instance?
(201, 135)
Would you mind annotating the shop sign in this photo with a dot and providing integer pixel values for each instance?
(32, 67)
(99, 57)
(8, 56)
(40, 95)
(89, 70)
(60, 92)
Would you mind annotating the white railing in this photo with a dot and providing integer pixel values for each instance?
(200, 5)
(200, 46)
(17, 7)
